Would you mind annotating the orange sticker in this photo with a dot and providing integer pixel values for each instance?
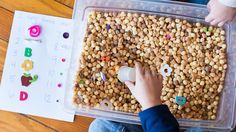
(105, 58)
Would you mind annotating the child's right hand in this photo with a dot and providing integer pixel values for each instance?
(219, 13)
(147, 88)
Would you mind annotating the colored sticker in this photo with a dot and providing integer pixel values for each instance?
(34, 79)
(27, 65)
(105, 58)
(34, 31)
(63, 59)
(28, 52)
(81, 82)
(108, 27)
(23, 96)
(205, 29)
(168, 36)
(59, 85)
(27, 79)
(66, 35)
(180, 100)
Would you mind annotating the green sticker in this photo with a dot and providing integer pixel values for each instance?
(35, 78)
(210, 29)
(205, 29)
(27, 75)
(81, 82)
(28, 52)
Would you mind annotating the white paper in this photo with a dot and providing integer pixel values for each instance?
(45, 97)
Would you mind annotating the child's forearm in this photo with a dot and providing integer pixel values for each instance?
(230, 3)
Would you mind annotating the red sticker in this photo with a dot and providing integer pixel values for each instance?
(63, 59)
(105, 58)
(27, 79)
(59, 85)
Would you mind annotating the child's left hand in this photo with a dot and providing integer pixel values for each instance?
(219, 14)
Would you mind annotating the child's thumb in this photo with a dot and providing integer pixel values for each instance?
(130, 85)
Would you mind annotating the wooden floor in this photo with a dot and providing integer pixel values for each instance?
(11, 122)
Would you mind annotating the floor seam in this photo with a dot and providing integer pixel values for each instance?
(39, 122)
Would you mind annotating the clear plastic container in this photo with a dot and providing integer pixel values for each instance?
(226, 116)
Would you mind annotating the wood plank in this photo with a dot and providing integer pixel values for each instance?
(3, 50)
(47, 7)
(13, 122)
(6, 18)
(80, 124)
(69, 3)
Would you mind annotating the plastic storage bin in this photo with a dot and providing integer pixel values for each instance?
(226, 116)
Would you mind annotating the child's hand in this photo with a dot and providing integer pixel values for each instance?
(147, 88)
(219, 13)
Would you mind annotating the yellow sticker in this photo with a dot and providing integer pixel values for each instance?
(27, 65)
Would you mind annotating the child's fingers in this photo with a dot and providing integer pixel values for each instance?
(139, 70)
(147, 72)
(214, 22)
(160, 77)
(221, 23)
(209, 7)
(210, 3)
(130, 85)
(209, 18)
(154, 74)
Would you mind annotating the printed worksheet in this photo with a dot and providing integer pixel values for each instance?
(36, 66)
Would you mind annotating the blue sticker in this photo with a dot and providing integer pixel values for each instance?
(108, 27)
(180, 100)
(66, 35)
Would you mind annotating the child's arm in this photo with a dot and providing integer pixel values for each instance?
(221, 11)
(147, 90)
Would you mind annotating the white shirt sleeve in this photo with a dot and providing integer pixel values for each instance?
(230, 3)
